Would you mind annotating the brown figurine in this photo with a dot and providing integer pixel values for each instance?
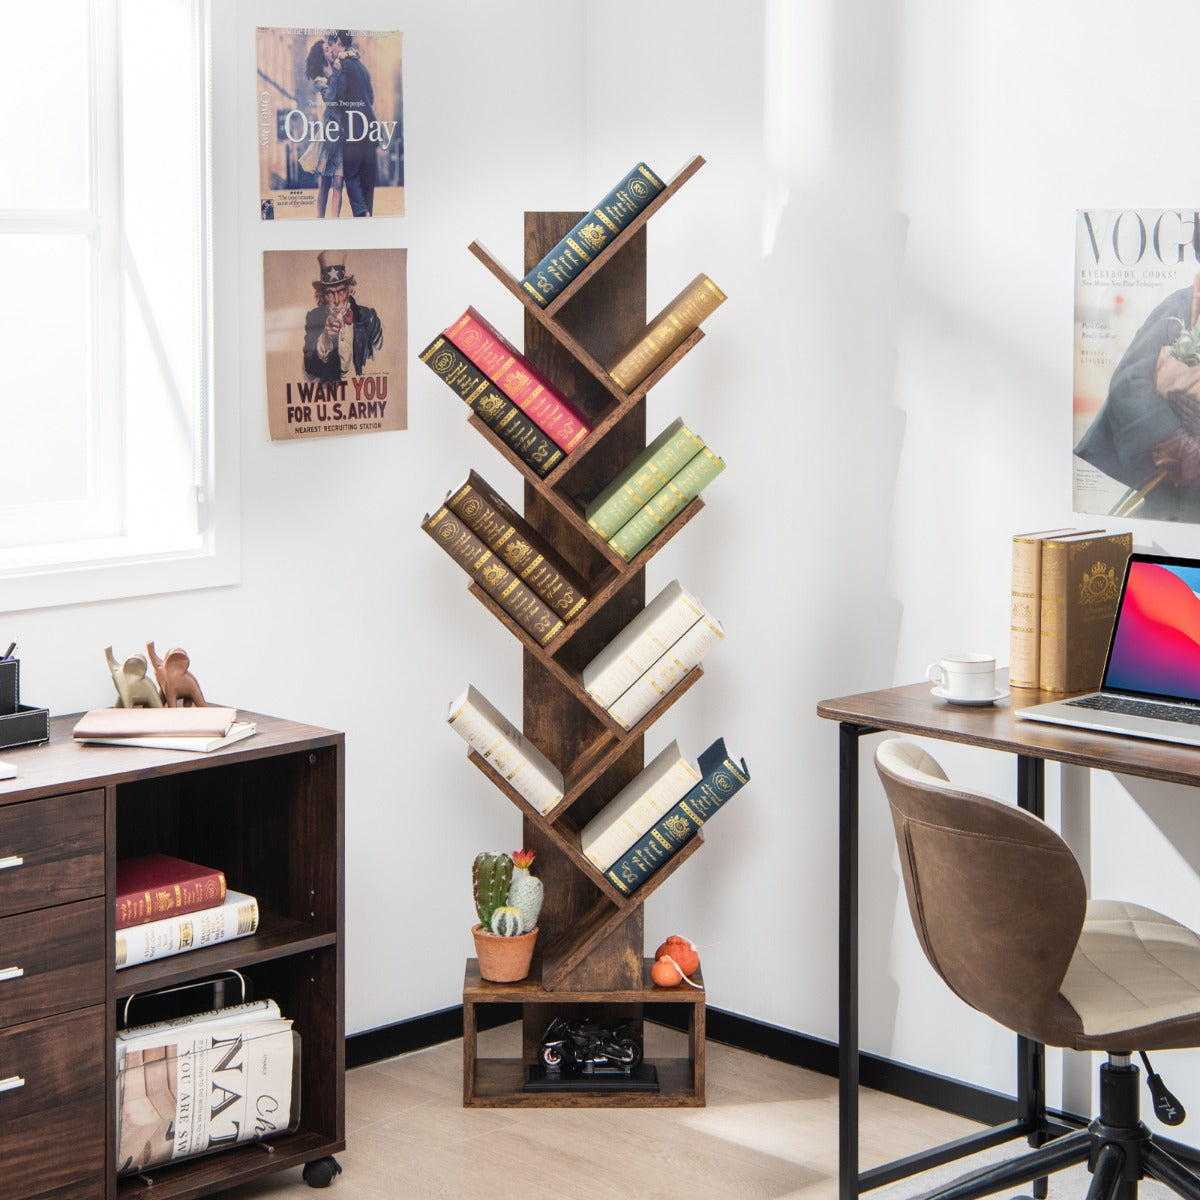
(179, 685)
(134, 690)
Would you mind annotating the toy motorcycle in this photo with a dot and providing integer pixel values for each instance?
(587, 1047)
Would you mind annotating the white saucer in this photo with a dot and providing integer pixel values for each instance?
(998, 694)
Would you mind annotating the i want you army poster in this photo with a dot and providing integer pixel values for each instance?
(1137, 363)
(336, 342)
(330, 121)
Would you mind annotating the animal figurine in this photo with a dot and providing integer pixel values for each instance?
(134, 689)
(179, 685)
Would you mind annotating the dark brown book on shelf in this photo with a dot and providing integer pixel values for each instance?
(519, 545)
(1081, 583)
(519, 601)
(150, 886)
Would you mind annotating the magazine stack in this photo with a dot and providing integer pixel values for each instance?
(198, 1084)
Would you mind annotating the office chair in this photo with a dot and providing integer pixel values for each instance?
(1000, 908)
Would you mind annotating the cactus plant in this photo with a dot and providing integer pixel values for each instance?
(491, 876)
(525, 893)
(506, 922)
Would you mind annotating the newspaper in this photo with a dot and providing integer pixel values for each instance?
(200, 1087)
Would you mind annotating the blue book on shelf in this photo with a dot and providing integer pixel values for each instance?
(721, 778)
(592, 233)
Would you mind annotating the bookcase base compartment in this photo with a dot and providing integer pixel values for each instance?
(511, 1081)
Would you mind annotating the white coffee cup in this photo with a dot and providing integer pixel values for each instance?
(964, 676)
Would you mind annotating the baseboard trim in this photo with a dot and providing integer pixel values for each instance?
(743, 1033)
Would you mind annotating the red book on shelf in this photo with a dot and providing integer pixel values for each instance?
(517, 378)
(151, 886)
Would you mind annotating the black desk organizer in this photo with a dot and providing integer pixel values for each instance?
(20, 725)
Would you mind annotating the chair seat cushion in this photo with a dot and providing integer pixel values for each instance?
(1134, 980)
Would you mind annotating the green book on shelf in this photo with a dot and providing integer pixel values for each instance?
(646, 475)
(666, 504)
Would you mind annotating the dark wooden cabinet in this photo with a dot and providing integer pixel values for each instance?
(269, 811)
(590, 951)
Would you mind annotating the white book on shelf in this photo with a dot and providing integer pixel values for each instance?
(506, 749)
(665, 674)
(199, 744)
(237, 917)
(641, 643)
(637, 806)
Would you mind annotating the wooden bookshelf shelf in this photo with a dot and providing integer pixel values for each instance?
(590, 932)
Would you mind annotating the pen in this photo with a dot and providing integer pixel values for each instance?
(9, 652)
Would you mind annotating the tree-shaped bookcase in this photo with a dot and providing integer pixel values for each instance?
(591, 956)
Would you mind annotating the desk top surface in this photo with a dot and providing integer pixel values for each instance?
(913, 709)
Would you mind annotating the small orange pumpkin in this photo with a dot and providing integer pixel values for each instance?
(665, 973)
(682, 951)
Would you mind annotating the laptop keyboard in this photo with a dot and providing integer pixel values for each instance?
(1139, 708)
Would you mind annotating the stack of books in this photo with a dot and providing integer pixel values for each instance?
(650, 656)
(167, 905)
(506, 750)
(203, 1083)
(1065, 587)
(199, 728)
(652, 818)
(510, 371)
(507, 557)
(653, 489)
(591, 233)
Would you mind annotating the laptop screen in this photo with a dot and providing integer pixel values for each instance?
(1155, 648)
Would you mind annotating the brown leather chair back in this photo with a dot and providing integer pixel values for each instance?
(996, 896)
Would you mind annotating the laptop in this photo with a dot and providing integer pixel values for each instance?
(1151, 682)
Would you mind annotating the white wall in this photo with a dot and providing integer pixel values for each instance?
(889, 201)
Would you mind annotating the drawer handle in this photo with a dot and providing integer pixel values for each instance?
(13, 860)
(11, 1083)
(11, 973)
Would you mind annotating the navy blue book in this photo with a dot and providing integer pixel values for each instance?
(721, 778)
(592, 233)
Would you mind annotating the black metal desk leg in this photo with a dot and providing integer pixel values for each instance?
(1031, 1056)
(848, 736)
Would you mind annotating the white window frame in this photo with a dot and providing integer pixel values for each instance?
(115, 567)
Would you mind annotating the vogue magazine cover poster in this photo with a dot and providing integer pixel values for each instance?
(336, 341)
(1137, 363)
(330, 123)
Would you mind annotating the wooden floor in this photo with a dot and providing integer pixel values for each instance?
(768, 1130)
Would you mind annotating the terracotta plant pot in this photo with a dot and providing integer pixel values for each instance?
(503, 959)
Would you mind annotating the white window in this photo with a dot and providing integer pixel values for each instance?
(113, 479)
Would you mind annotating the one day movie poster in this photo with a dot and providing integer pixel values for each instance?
(330, 122)
(336, 339)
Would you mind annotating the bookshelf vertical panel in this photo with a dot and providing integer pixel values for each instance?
(604, 317)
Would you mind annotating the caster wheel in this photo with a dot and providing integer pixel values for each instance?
(322, 1172)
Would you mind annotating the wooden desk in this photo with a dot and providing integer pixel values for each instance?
(913, 710)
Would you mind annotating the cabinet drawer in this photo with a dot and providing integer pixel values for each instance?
(51, 961)
(51, 851)
(53, 1125)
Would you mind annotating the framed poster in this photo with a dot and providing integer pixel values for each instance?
(1137, 363)
(330, 119)
(336, 342)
